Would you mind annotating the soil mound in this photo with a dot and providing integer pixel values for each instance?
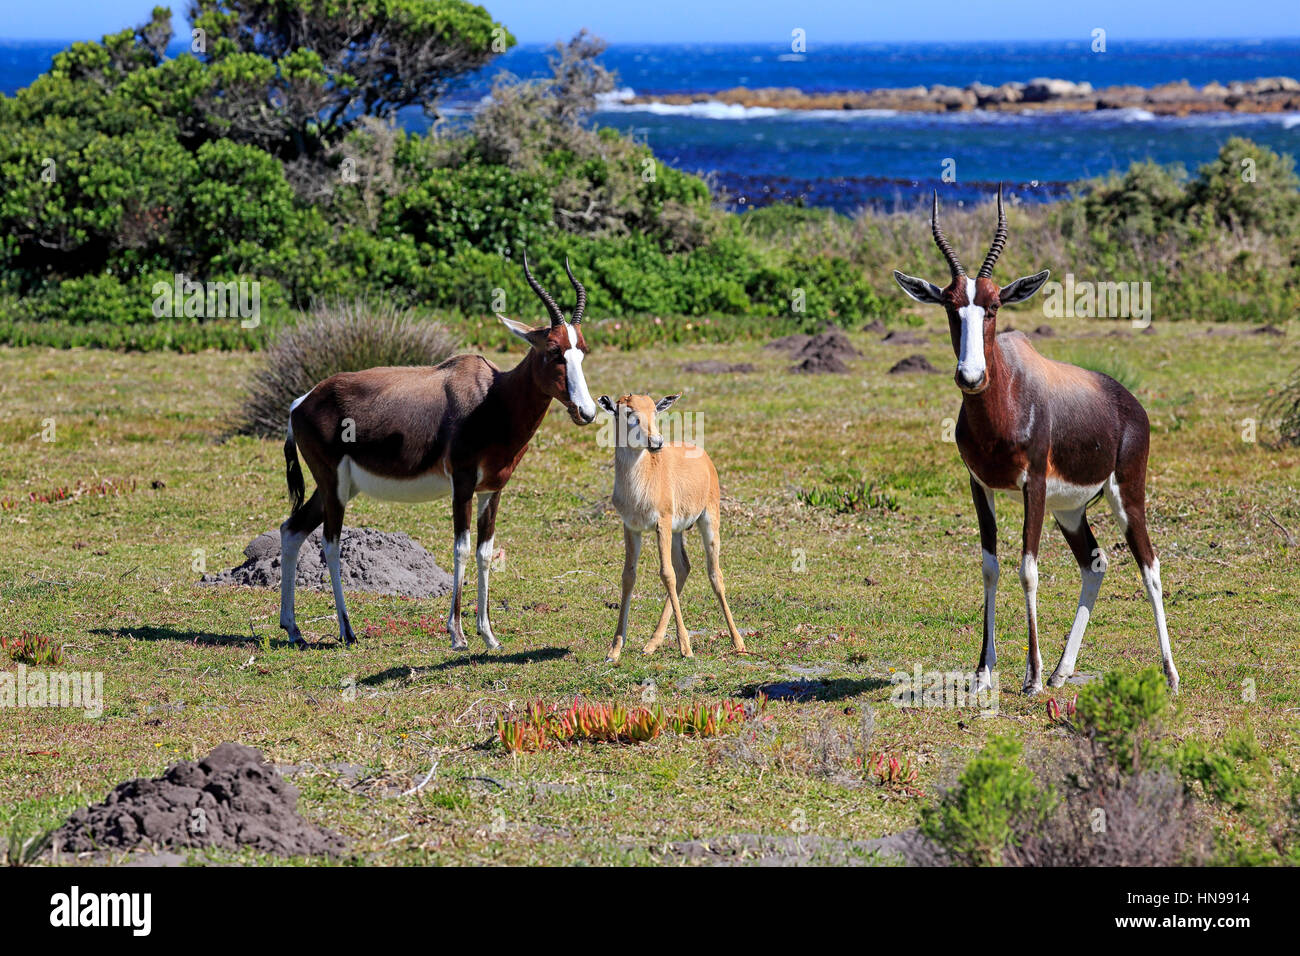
(913, 363)
(1269, 329)
(875, 325)
(904, 337)
(381, 562)
(231, 798)
(1044, 332)
(789, 343)
(824, 353)
(714, 367)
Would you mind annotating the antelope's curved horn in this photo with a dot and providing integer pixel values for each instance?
(999, 241)
(942, 242)
(582, 293)
(557, 316)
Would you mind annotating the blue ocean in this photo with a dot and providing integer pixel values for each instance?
(845, 159)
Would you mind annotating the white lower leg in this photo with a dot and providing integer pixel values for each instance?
(1033, 660)
(1155, 594)
(332, 549)
(485, 550)
(462, 552)
(290, 544)
(984, 677)
(1092, 577)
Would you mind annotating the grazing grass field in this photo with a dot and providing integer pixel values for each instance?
(841, 599)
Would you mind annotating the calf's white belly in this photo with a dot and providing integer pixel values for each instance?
(355, 480)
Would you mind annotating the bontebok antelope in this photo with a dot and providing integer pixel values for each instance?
(666, 489)
(1058, 435)
(415, 434)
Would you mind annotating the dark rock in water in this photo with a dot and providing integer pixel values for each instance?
(904, 337)
(714, 367)
(380, 562)
(231, 798)
(913, 363)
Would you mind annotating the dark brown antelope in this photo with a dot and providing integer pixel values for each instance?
(416, 434)
(1055, 434)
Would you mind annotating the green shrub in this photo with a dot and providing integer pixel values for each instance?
(1124, 716)
(994, 799)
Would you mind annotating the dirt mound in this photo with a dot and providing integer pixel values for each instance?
(875, 325)
(913, 363)
(1269, 329)
(714, 367)
(1044, 332)
(789, 343)
(824, 353)
(904, 337)
(231, 798)
(381, 562)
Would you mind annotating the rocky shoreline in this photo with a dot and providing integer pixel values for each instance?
(1277, 94)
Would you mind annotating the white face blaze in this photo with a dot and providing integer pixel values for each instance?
(578, 393)
(970, 357)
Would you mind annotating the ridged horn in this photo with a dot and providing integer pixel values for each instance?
(999, 241)
(582, 293)
(557, 316)
(940, 240)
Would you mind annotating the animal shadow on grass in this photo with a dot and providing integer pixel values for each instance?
(537, 656)
(179, 634)
(802, 690)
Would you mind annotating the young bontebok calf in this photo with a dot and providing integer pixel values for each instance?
(415, 434)
(1057, 435)
(667, 489)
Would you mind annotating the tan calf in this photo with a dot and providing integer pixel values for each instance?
(668, 489)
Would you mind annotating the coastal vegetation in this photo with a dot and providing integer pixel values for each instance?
(271, 156)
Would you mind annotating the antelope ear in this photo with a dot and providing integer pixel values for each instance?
(521, 330)
(666, 403)
(606, 404)
(1022, 288)
(919, 289)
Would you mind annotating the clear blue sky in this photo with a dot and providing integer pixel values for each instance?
(702, 21)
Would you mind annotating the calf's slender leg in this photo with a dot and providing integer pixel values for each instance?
(631, 553)
(712, 550)
(681, 568)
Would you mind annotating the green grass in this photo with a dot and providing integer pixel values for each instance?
(850, 596)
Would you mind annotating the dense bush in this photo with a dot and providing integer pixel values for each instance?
(346, 337)
(272, 154)
(1119, 793)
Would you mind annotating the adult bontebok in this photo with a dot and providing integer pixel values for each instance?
(415, 434)
(667, 489)
(1059, 435)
